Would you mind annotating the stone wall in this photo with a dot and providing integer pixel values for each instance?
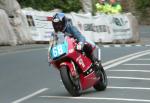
(17, 22)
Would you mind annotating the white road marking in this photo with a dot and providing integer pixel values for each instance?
(96, 98)
(126, 59)
(131, 78)
(137, 64)
(106, 46)
(30, 95)
(144, 59)
(138, 45)
(120, 70)
(129, 88)
(128, 45)
(147, 45)
(117, 46)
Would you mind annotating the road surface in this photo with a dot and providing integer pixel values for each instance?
(25, 76)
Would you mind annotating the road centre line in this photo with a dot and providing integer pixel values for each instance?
(128, 58)
(124, 57)
(30, 95)
(96, 98)
(130, 78)
(120, 70)
(137, 64)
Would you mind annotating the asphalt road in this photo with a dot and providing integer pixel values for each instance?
(25, 76)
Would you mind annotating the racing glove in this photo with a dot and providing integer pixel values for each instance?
(80, 46)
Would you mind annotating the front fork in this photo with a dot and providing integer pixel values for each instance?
(97, 53)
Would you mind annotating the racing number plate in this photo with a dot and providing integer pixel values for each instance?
(58, 50)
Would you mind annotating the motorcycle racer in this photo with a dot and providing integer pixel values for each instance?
(63, 24)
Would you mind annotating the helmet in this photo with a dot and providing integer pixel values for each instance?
(58, 22)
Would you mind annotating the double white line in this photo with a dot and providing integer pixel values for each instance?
(118, 61)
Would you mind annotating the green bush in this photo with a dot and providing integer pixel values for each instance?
(47, 5)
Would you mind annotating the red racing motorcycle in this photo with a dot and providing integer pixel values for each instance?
(77, 71)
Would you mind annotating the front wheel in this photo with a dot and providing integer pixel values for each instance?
(102, 82)
(69, 82)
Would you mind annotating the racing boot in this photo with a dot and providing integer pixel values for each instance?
(96, 65)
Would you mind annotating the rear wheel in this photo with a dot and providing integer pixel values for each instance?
(71, 84)
(102, 83)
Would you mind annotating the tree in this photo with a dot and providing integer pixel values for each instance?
(47, 5)
(142, 6)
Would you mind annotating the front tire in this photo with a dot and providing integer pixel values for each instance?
(68, 82)
(102, 82)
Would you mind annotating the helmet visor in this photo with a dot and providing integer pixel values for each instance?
(58, 26)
